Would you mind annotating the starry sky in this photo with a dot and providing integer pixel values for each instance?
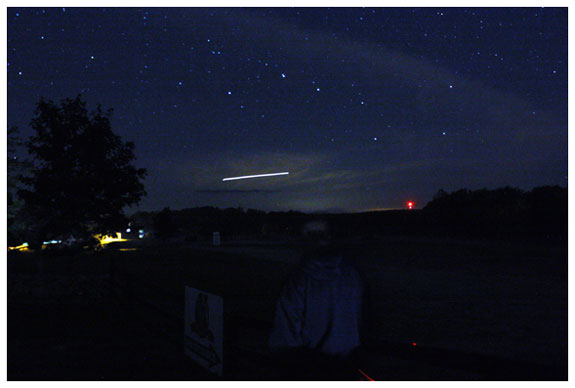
(367, 108)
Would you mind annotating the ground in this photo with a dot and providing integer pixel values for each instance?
(474, 310)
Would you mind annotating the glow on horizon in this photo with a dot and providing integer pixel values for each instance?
(378, 209)
(254, 176)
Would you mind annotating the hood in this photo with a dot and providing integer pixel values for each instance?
(324, 268)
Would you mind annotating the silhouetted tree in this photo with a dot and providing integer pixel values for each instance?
(164, 224)
(16, 169)
(549, 210)
(83, 174)
(503, 212)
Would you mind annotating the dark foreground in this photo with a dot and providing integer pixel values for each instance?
(475, 311)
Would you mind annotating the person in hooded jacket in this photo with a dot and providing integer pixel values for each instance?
(319, 312)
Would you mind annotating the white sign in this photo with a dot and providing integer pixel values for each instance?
(204, 329)
(216, 239)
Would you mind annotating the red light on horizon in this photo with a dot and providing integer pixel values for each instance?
(414, 344)
(410, 205)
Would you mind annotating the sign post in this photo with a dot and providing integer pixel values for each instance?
(204, 329)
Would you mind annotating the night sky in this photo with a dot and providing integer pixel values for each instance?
(367, 108)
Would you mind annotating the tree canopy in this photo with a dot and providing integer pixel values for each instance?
(82, 175)
(16, 168)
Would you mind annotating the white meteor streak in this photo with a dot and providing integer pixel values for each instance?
(255, 176)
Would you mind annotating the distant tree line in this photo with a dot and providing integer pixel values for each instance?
(503, 213)
(199, 223)
(506, 214)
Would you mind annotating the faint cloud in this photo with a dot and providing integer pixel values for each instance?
(255, 191)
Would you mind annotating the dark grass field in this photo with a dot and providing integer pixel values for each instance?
(476, 310)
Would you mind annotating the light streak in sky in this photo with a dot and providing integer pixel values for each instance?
(254, 176)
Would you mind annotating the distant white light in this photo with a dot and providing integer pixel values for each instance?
(229, 92)
(254, 176)
(317, 89)
(128, 230)
(283, 75)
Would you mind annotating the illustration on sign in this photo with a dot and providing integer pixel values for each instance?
(204, 330)
(202, 315)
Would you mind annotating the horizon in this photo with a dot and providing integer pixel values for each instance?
(331, 211)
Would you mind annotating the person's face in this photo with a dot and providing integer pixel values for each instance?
(317, 240)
